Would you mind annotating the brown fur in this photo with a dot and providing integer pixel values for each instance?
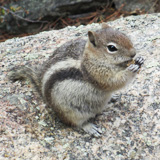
(78, 79)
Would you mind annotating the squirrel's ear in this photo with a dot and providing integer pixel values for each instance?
(105, 25)
(92, 38)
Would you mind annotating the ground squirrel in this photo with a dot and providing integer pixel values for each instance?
(77, 81)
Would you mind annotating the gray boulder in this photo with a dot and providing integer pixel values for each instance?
(27, 16)
(149, 6)
(130, 126)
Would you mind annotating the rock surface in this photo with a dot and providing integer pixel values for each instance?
(149, 6)
(131, 126)
(29, 16)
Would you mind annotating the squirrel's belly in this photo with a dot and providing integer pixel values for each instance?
(78, 95)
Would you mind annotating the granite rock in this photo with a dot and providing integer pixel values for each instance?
(131, 126)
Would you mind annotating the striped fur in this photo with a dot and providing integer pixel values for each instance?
(78, 79)
(54, 70)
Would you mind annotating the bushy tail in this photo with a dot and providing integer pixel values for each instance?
(25, 73)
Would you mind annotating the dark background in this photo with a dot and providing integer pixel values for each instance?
(25, 17)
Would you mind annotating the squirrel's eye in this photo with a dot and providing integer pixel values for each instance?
(112, 48)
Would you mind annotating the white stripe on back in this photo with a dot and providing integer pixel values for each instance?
(68, 63)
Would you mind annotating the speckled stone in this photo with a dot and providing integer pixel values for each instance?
(131, 126)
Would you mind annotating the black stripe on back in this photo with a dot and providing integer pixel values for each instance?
(70, 73)
(72, 49)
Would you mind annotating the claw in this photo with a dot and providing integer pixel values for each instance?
(139, 61)
(115, 98)
(134, 67)
(92, 129)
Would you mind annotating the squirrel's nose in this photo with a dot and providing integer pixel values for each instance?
(133, 53)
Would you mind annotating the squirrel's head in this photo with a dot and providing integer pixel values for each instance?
(110, 45)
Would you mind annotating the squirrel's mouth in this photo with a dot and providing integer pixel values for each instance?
(125, 63)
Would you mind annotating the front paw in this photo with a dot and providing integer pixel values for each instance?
(139, 61)
(134, 68)
(137, 65)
